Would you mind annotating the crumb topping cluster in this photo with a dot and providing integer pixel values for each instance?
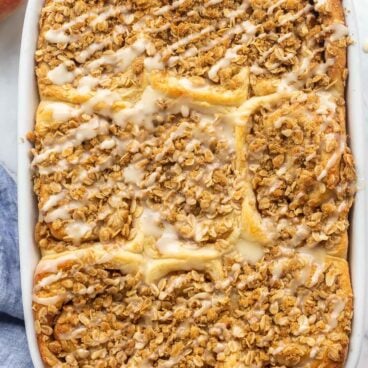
(194, 183)
(211, 40)
(96, 179)
(281, 312)
(293, 152)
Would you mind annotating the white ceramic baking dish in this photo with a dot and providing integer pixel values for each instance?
(27, 209)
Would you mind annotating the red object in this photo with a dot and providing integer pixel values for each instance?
(7, 6)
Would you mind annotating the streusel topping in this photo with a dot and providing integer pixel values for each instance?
(194, 183)
(282, 311)
(211, 40)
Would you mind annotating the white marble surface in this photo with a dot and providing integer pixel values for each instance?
(10, 35)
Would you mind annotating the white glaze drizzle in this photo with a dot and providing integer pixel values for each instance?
(122, 58)
(241, 9)
(51, 265)
(61, 75)
(59, 35)
(48, 280)
(111, 11)
(232, 53)
(292, 17)
(75, 137)
(77, 230)
(176, 4)
(52, 201)
(274, 6)
(333, 159)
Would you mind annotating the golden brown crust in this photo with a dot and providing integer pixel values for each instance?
(337, 50)
(299, 170)
(316, 299)
(199, 90)
(194, 184)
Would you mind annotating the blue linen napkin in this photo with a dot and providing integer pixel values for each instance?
(14, 351)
